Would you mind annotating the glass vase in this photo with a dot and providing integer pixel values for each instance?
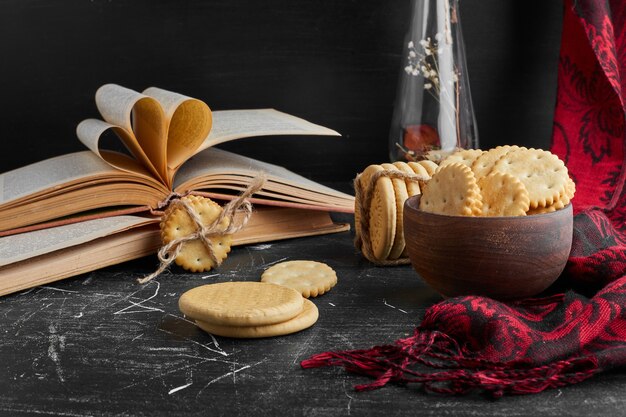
(433, 113)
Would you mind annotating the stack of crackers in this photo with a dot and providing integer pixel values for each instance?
(383, 207)
(503, 181)
(276, 306)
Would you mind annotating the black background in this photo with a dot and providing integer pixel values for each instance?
(333, 62)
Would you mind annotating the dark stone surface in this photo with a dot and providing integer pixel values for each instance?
(100, 344)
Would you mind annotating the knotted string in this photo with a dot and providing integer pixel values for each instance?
(363, 195)
(168, 252)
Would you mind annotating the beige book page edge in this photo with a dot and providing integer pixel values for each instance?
(52, 173)
(23, 246)
(71, 261)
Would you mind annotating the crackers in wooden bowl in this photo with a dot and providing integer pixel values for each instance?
(511, 181)
(504, 181)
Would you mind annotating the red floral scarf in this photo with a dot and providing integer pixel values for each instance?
(475, 343)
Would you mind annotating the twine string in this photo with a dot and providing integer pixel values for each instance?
(363, 195)
(170, 251)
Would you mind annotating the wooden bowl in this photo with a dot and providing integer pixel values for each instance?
(498, 257)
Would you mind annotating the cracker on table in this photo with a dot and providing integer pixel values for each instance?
(483, 165)
(309, 278)
(382, 217)
(177, 224)
(304, 320)
(452, 191)
(464, 156)
(503, 195)
(543, 174)
(241, 303)
(401, 194)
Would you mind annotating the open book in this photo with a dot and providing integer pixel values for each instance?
(100, 198)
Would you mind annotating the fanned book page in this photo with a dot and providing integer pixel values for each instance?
(235, 124)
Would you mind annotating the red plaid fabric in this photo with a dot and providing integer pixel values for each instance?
(471, 343)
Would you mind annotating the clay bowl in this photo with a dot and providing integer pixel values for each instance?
(498, 257)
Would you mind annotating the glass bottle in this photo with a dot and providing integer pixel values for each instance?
(433, 112)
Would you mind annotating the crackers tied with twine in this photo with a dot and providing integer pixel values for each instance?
(178, 223)
(381, 191)
(196, 231)
(511, 181)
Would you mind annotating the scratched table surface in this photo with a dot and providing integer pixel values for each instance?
(100, 344)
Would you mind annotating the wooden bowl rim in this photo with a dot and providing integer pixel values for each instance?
(412, 203)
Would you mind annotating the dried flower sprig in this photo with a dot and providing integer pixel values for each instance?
(424, 62)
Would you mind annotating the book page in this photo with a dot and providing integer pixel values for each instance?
(23, 246)
(215, 161)
(50, 173)
(235, 124)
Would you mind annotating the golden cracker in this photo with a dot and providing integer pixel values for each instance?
(452, 191)
(177, 224)
(241, 303)
(412, 187)
(570, 188)
(419, 169)
(309, 278)
(464, 156)
(429, 166)
(503, 195)
(543, 174)
(543, 210)
(304, 320)
(483, 165)
(400, 194)
(382, 217)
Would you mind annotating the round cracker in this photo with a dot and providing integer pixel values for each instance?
(241, 303)
(382, 216)
(309, 278)
(543, 210)
(419, 169)
(401, 194)
(570, 188)
(430, 166)
(177, 224)
(412, 187)
(304, 320)
(452, 191)
(483, 165)
(543, 174)
(464, 156)
(503, 195)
